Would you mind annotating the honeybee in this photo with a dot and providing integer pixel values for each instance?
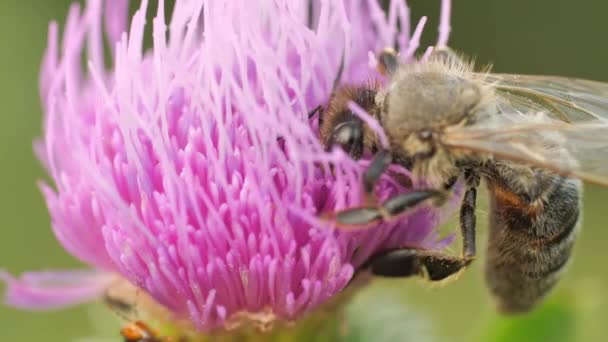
(532, 139)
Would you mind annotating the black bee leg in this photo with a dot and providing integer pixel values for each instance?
(409, 262)
(392, 207)
(388, 62)
(435, 266)
(381, 161)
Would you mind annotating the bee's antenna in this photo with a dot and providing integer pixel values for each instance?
(337, 79)
(311, 9)
(314, 111)
(339, 73)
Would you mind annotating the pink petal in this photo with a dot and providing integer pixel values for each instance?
(48, 290)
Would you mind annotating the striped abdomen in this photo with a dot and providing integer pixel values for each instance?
(534, 222)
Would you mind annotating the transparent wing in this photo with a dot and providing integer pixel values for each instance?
(566, 99)
(555, 123)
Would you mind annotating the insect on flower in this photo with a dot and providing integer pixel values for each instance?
(165, 167)
(531, 138)
(135, 330)
(139, 331)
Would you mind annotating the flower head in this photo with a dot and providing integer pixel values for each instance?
(192, 170)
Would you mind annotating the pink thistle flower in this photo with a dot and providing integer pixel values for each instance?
(191, 169)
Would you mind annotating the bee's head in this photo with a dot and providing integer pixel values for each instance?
(338, 126)
(419, 106)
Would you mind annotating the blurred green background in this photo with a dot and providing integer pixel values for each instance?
(542, 36)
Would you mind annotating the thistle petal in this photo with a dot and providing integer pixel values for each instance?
(192, 170)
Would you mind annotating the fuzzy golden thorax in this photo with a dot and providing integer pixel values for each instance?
(422, 101)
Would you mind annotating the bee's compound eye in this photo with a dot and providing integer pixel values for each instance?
(425, 135)
(348, 135)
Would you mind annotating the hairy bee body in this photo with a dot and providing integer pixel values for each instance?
(425, 110)
(534, 221)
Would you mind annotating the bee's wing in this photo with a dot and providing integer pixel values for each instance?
(555, 123)
(566, 99)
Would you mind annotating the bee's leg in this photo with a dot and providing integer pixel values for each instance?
(435, 266)
(388, 62)
(408, 262)
(386, 211)
(394, 206)
(381, 161)
(467, 215)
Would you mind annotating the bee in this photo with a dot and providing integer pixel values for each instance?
(531, 139)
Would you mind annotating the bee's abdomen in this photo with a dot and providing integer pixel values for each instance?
(531, 239)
